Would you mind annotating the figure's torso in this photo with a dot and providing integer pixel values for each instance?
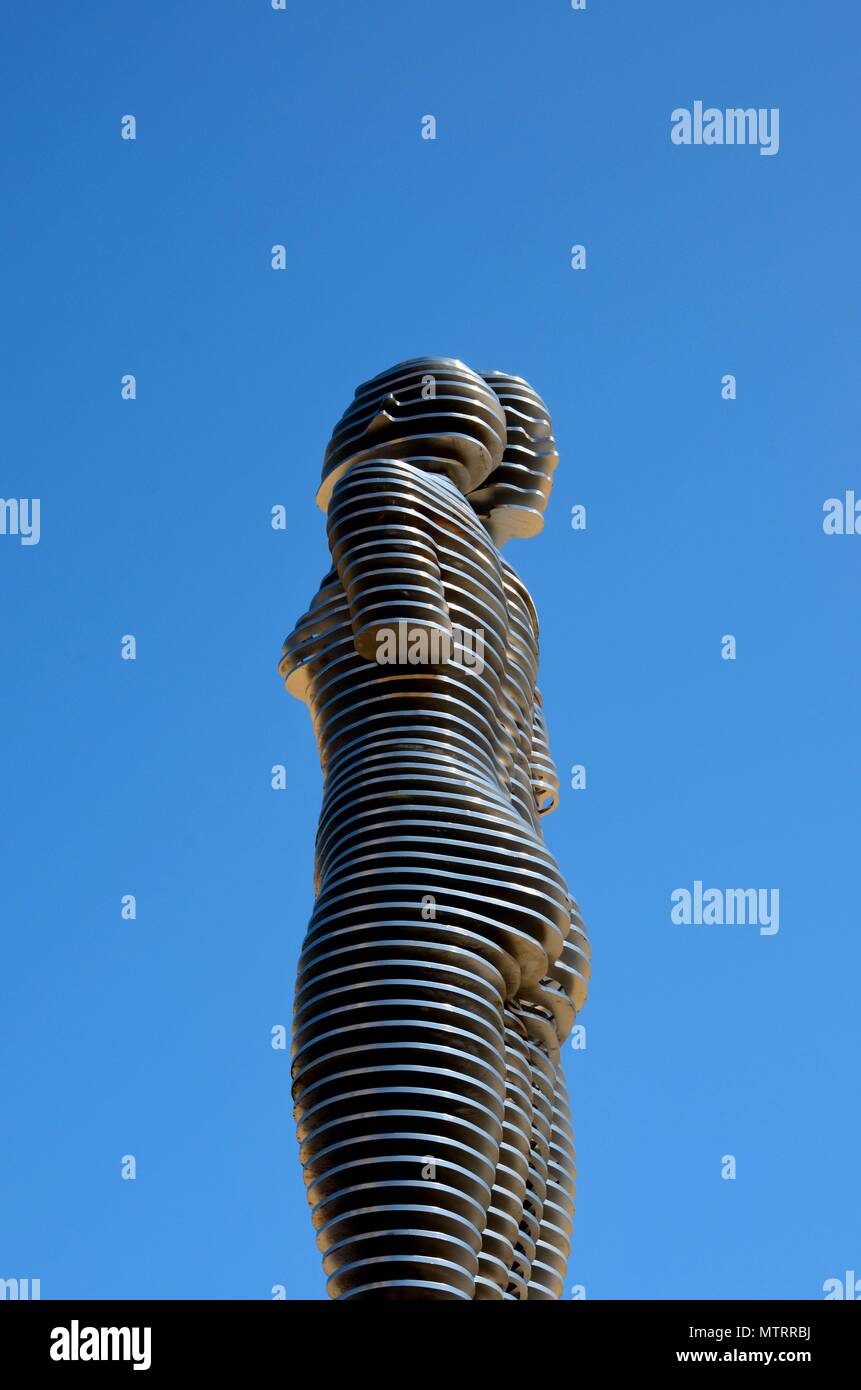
(475, 715)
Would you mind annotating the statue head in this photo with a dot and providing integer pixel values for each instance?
(432, 411)
(512, 499)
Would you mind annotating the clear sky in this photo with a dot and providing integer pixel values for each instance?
(704, 518)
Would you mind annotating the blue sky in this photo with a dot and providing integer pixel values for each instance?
(704, 517)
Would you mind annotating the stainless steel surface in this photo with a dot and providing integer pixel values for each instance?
(445, 960)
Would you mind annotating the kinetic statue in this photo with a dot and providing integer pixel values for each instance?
(445, 960)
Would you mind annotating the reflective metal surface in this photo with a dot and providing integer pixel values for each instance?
(445, 960)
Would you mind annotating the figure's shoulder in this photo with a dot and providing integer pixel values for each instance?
(394, 475)
(384, 484)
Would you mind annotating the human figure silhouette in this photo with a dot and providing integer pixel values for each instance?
(445, 959)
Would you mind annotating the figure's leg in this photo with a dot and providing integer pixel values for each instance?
(547, 1279)
(399, 1087)
(507, 1245)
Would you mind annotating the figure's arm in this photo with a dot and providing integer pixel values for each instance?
(542, 769)
(384, 522)
(563, 991)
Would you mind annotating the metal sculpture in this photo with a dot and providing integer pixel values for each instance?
(445, 960)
